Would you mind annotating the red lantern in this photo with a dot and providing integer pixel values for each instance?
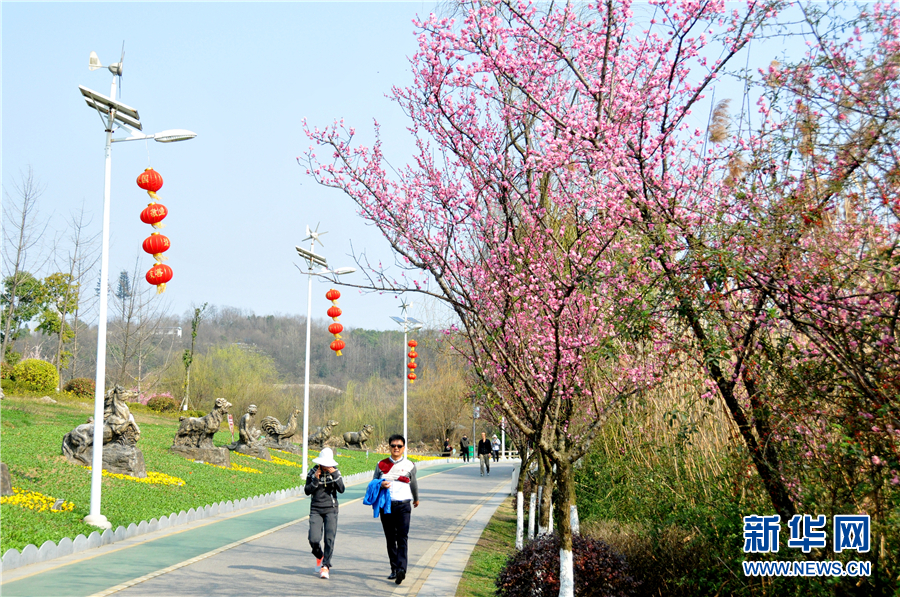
(158, 275)
(412, 343)
(411, 365)
(156, 244)
(332, 295)
(335, 328)
(151, 181)
(411, 377)
(412, 354)
(334, 312)
(337, 346)
(153, 214)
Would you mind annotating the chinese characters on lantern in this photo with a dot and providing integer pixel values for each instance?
(335, 328)
(411, 365)
(156, 244)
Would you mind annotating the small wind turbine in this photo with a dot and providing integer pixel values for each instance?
(314, 235)
(116, 68)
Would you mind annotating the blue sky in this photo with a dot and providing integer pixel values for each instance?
(240, 75)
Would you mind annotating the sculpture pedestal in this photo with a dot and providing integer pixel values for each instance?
(260, 452)
(117, 458)
(285, 446)
(124, 460)
(216, 456)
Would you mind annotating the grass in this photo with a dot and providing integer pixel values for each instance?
(31, 433)
(497, 543)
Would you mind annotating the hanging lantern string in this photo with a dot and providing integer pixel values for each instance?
(156, 244)
(412, 354)
(335, 328)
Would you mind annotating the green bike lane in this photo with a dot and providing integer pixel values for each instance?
(117, 565)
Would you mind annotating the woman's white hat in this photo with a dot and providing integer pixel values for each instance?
(326, 458)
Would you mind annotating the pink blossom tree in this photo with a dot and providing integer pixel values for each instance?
(547, 141)
(819, 186)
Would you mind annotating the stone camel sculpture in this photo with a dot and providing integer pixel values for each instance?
(358, 438)
(322, 434)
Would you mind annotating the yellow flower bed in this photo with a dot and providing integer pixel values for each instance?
(278, 460)
(234, 467)
(153, 478)
(245, 469)
(35, 501)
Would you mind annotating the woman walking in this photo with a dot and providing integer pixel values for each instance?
(323, 483)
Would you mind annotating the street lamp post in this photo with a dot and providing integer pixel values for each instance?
(114, 114)
(311, 260)
(408, 324)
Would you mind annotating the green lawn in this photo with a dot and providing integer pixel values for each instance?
(497, 543)
(31, 435)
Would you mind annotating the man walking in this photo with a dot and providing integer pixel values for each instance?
(484, 453)
(464, 448)
(399, 478)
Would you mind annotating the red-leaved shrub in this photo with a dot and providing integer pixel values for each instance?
(599, 571)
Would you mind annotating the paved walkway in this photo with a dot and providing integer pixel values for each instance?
(264, 551)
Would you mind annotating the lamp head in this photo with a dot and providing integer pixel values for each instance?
(174, 135)
(344, 270)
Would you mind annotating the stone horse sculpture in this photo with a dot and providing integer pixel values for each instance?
(120, 436)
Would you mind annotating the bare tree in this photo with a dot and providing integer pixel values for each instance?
(188, 356)
(135, 329)
(82, 257)
(23, 231)
(439, 395)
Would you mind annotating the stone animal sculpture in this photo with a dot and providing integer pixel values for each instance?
(120, 436)
(358, 438)
(119, 427)
(322, 434)
(278, 433)
(197, 432)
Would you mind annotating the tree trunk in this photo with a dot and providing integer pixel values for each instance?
(565, 483)
(545, 495)
(520, 519)
(520, 506)
(524, 463)
(532, 505)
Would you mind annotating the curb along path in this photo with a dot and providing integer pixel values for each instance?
(264, 549)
